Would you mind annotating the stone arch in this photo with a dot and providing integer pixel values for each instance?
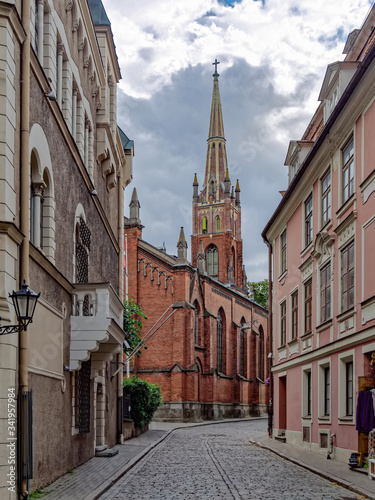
(42, 194)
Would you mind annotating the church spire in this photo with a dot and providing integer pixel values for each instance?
(216, 121)
(216, 244)
(216, 163)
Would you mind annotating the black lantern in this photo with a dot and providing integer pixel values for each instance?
(24, 302)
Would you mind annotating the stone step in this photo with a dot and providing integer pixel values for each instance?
(282, 439)
(101, 447)
(107, 453)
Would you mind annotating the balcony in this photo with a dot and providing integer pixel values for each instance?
(96, 324)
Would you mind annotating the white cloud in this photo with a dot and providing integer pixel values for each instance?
(155, 40)
(272, 61)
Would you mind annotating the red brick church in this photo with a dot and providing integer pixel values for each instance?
(206, 339)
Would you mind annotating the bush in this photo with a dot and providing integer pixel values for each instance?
(146, 398)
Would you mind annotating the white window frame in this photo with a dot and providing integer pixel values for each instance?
(283, 271)
(343, 165)
(303, 322)
(282, 302)
(327, 432)
(291, 338)
(322, 196)
(322, 365)
(304, 400)
(306, 244)
(343, 359)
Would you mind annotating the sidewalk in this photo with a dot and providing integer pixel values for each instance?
(334, 471)
(92, 479)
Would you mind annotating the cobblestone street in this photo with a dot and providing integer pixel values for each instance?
(218, 462)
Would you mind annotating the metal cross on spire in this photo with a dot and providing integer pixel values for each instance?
(215, 64)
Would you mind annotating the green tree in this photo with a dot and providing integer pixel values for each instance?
(260, 291)
(132, 323)
(145, 400)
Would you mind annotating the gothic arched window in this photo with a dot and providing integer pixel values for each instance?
(242, 349)
(196, 322)
(220, 341)
(83, 244)
(204, 225)
(212, 261)
(217, 220)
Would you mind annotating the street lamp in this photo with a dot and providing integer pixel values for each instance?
(24, 302)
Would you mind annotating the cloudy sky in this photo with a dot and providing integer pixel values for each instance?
(273, 55)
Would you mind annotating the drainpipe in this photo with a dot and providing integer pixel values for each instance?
(270, 337)
(120, 355)
(25, 228)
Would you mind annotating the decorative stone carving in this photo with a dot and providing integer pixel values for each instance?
(323, 247)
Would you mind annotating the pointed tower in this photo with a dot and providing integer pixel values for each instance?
(217, 208)
(182, 248)
(134, 206)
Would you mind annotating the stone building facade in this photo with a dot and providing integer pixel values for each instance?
(321, 238)
(64, 166)
(207, 343)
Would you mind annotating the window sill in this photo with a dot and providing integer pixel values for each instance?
(222, 375)
(307, 249)
(307, 418)
(347, 204)
(243, 378)
(325, 419)
(283, 346)
(197, 347)
(283, 275)
(327, 226)
(293, 341)
(327, 323)
(306, 336)
(346, 313)
(346, 420)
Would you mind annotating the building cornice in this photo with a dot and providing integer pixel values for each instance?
(338, 345)
(10, 12)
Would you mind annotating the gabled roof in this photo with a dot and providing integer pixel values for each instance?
(292, 149)
(98, 13)
(331, 76)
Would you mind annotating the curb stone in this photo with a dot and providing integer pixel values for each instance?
(326, 475)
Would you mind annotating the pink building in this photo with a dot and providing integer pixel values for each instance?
(321, 240)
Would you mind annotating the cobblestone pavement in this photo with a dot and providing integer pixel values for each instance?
(218, 462)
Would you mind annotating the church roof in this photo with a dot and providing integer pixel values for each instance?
(98, 13)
